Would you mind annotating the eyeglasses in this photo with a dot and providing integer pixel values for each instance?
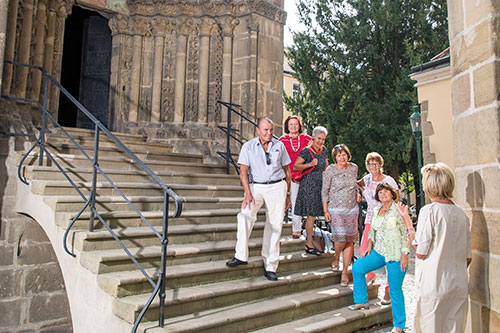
(268, 158)
(373, 164)
(341, 147)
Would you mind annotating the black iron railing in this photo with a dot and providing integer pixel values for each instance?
(159, 285)
(227, 155)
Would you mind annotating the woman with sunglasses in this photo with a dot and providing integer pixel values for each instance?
(374, 163)
(294, 141)
(388, 245)
(340, 198)
(313, 160)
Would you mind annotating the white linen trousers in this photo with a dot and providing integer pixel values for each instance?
(274, 196)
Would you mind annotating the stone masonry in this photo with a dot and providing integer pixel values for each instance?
(475, 66)
(32, 293)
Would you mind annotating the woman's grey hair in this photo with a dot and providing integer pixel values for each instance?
(318, 130)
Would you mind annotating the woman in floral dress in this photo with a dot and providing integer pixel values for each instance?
(340, 198)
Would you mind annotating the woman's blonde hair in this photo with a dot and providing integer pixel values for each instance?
(374, 156)
(438, 180)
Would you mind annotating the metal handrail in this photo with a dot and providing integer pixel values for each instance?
(227, 155)
(159, 286)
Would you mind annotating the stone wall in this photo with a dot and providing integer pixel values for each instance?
(32, 293)
(475, 86)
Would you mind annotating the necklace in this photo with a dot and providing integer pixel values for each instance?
(316, 152)
(298, 144)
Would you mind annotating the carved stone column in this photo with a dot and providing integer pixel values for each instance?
(227, 60)
(135, 79)
(23, 52)
(9, 46)
(159, 31)
(180, 70)
(205, 31)
(38, 56)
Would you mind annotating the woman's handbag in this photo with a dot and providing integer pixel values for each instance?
(297, 177)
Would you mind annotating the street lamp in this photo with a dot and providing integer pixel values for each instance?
(416, 127)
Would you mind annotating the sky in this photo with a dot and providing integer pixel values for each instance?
(291, 21)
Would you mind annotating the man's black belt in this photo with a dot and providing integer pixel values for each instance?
(270, 182)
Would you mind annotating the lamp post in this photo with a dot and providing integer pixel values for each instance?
(416, 127)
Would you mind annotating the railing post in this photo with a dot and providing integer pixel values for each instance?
(163, 266)
(95, 164)
(44, 118)
(228, 138)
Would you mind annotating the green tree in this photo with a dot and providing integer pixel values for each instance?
(353, 61)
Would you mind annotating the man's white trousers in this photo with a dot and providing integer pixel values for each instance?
(274, 196)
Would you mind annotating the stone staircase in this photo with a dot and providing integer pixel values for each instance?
(107, 291)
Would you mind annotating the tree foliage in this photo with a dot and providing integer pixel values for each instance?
(353, 61)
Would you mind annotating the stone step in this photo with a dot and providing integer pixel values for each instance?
(131, 176)
(144, 236)
(141, 203)
(80, 162)
(128, 283)
(252, 315)
(179, 302)
(339, 320)
(144, 151)
(63, 187)
(63, 145)
(75, 131)
(128, 219)
(108, 261)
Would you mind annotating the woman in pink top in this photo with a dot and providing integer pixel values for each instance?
(294, 142)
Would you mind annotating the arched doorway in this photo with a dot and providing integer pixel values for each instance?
(85, 67)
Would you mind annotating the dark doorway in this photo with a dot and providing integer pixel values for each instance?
(85, 68)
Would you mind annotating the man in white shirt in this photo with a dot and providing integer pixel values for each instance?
(265, 178)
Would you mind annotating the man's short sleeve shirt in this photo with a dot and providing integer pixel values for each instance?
(253, 155)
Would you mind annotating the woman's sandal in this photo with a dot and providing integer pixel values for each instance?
(335, 266)
(344, 281)
(359, 306)
(312, 250)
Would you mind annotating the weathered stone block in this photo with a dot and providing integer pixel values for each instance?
(460, 94)
(48, 307)
(10, 284)
(491, 176)
(472, 47)
(35, 254)
(11, 312)
(46, 278)
(475, 11)
(494, 282)
(479, 232)
(478, 130)
(491, 320)
(478, 283)
(25, 228)
(6, 255)
(486, 80)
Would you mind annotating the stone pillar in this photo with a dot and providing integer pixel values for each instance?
(38, 56)
(180, 71)
(4, 4)
(157, 75)
(227, 61)
(135, 80)
(475, 91)
(206, 29)
(23, 52)
(49, 40)
(9, 47)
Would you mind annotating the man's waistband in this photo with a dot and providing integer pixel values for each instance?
(269, 182)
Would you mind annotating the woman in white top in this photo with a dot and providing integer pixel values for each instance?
(442, 248)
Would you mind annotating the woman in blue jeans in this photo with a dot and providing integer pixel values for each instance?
(388, 245)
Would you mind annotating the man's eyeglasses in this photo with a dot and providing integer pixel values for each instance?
(268, 158)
